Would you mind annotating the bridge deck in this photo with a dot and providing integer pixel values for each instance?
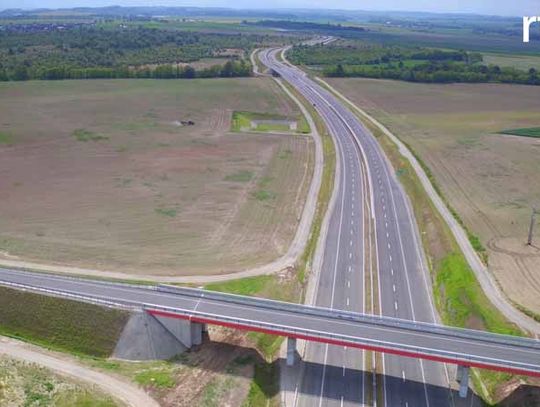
(420, 340)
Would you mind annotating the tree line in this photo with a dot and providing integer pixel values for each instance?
(438, 72)
(362, 53)
(413, 64)
(230, 69)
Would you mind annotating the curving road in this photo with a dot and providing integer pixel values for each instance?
(372, 233)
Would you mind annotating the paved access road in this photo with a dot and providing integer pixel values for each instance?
(337, 376)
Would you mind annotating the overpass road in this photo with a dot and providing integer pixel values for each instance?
(318, 324)
(373, 217)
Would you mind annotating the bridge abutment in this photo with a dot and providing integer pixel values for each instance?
(151, 337)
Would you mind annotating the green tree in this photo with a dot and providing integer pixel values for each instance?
(20, 73)
(340, 71)
(189, 72)
(227, 70)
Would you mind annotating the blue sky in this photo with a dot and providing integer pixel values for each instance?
(501, 7)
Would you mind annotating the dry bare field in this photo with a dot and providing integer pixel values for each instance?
(490, 179)
(100, 174)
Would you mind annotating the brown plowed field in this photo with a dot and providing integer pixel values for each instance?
(143, 193)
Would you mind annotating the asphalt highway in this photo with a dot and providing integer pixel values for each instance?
(402, 288)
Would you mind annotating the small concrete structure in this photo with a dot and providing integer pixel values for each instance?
(149, 337)
(291, 351)
(292, 124)
(463, 380)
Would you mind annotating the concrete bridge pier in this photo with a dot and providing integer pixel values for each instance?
(463, 380)
(153, 337)
(196, 331)
(291, 351)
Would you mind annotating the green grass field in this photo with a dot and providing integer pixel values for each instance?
(64, 325)
(5, 138)
(526, 132)
(518, 61)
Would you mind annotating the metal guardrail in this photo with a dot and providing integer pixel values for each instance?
(278, 328)
(91, 280)
(351, 316)
(456, 357)
(71, 295)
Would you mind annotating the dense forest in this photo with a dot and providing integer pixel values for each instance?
(88, 51)
(408, 64)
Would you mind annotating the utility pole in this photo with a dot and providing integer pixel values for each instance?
(531, 227)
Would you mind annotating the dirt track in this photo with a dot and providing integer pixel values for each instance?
(122, 390)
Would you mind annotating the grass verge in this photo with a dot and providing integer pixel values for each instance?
(265, 383)
(59, 324)
(526, 132)
(5, 138)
